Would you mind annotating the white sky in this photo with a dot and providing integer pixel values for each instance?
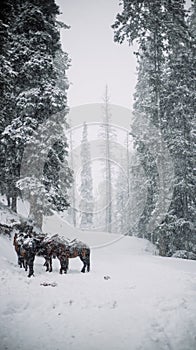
(96, 59)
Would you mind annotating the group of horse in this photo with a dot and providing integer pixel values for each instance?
(30, 244)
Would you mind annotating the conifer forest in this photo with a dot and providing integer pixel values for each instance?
(97, 175)
(156, 198)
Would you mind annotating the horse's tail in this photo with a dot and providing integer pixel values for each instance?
(14, 240)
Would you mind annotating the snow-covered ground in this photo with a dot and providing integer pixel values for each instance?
(130, 300)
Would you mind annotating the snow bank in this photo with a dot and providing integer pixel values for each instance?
(7, 216)
(98, 240)
(184, 254)
(130, 300)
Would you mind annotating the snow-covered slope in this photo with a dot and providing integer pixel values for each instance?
(130, 300)
(7, 216)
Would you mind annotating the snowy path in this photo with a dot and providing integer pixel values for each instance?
(148, 303)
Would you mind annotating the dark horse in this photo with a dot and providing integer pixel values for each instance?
(26, 242)
(29, 245)
(65, 249)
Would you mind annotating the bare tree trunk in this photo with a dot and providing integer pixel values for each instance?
(108, 165)
(8, 200)
(73, 210)
(14, 202)
(36, 214)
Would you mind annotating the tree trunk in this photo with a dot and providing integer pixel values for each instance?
(8, 201)
(73, 209)
(108, 165)
(14, 202)
(36, 214)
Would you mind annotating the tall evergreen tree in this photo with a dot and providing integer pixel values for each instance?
(144, 24)
(86, 188)
(72, 211)
(7, 98)
(121, 204)
(121, 208)
(177, 231)
(164, 96)
(38, 95)
(108, 164)
(108, 136)
(138, 197)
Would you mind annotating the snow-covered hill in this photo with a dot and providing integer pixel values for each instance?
(7, 216)
(130, 300)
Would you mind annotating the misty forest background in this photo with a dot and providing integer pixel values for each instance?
(33, 103)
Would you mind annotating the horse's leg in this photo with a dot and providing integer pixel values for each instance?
(46, 264)
(61, 267)
(64, 265)
(30, 264)
(24, 262)
(84, 267)
(88, 261)
(25, 265)
(20, 261)
(50, 264)
(84, 262)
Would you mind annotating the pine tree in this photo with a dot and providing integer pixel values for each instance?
(144, 111)
(86, 188)
(163, 95)
(72, 211)
(39, 93)
(148, 89)
(138, 196)
(7, 103)
(108, 136)
(179, 102)
(121, 207)
(121, 204)
(108, 164)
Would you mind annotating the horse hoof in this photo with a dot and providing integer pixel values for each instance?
(30, 274)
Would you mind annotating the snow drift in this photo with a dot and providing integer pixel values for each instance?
(130, 300)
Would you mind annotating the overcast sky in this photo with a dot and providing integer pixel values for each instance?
(96, 59)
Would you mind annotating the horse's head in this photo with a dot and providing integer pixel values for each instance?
(38, 243)
(18, 240)
(31, 243)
